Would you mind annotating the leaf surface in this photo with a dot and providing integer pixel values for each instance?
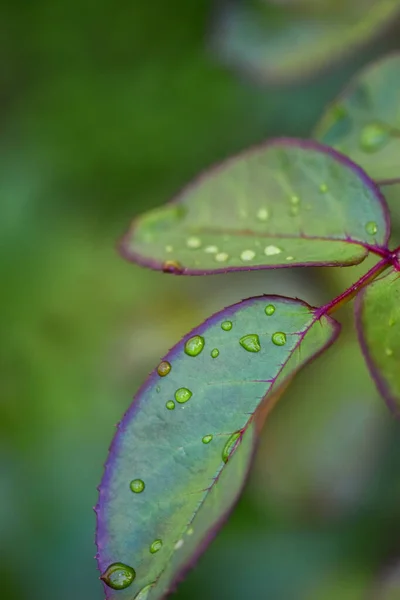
(364, 121)
(193, 457)
(287, 43)
(378, 324)
(287, 202)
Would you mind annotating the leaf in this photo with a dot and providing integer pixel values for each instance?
(189, 437)
(378, 325)
(284, 203)
(364, 121)
(285, 44)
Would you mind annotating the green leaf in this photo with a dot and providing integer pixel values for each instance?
(284, 44)
(287, 202)
(378, 324)
(182, 451)
(364, 121)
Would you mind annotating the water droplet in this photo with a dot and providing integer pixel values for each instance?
(211, 249)
(156, 546)
(158, 389)
(144, 592)
(392, 321)
(247, 255)
(373, 137)
(270, 309)
(227, 325)
(262, 214)
(272, 250)
(230, 445)
(137, 486)
(215, 353)
(323, 188)
(164, 368)
(172, 266)
(183, 395)
(169, 248)
(118, 576)
(389, 352)
(193, 242)
(190, 531)
(250, 342)
(371, 228)
(195, 345)
(294, 211)
(207, 439)
(290, 258)
(279, 338)
(178, 544)
(295, 200)
(221, 257)
(170, 405)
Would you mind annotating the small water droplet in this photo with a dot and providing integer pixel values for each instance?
(227, 325)
(371, 228)
(247, 255)
(137, 486)
(323, 188)
(169, 248)
(118, 576)
(211, 249)
(195, 345)
(156, 546)
(279, 338)
(294, 211)
(215, 353)
(178, 544)
(170, 405)
(164, 368)
(221, 257)
(392, 321)
(207, 439)
(295, 200)
(193, 242)
(389, 352)
(144, 592)
(190, 531)
(272, 250)
(230, 445)
(270, 309)
(290, 258)
(183, 395)
(250, 342)
(158, 389)
(262, 214)
(172, 266)
(373, 136)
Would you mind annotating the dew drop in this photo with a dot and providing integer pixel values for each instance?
(290, 258)
(144, 592)
(178, 544)
(215, 353)
(272, 250)
(194, 346)
(137, 486)
(250, 342)
(373, 136)
(262, 214)
(183, 395)
(156, 546)
(211, 249)
(227, 325)
(371, 228)
(169, 248)
(172, 266)
(190, 531)
(270, 309)
(221, 257)
(207, 439)
(323, 188)
(118, 576)
(389, 352)
(247, 255)
(170, 405)
(295, 200)
(279, 338)
(230, 446)
(158, 389)
(193, 242)
(164, 368)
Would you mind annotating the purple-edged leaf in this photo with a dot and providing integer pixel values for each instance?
(185, 445)
(287, 202)
(378, 324)
(364, 121)
(287, 43)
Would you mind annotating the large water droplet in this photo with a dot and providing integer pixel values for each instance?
(272, 250)
(156, 546)
(170, 405)
(137, 486)
(250, 342)
(193, 243)
(221, 257)
(373, 137)
(172, 266)
(247, 255)
(230, 445)
(279, 338)
(262, 214)
(270, 309)
(118, 576)
(207, 439)
(227, 325)
(164, 368)
(195, 345)
(215, 353)
(144, 592)
(371, 228)
(183, 395)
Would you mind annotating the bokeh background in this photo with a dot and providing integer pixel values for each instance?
(107, 109)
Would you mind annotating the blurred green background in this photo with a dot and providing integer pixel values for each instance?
(107, 109)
